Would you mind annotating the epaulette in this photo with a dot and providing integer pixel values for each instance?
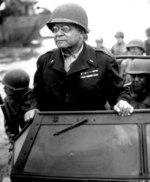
(105, 51)
(48, 55)
(52, 50)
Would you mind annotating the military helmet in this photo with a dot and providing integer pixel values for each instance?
(119, 34)
(100, 40)
(136, 43)
(139, 66)
(69, 13)
(16, 79)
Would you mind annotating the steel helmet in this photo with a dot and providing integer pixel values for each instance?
(119, 34)
(16, 79)
(136, 43)
(69, 13)
(139, 66)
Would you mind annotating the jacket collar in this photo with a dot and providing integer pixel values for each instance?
(57, 61)
(86, 58)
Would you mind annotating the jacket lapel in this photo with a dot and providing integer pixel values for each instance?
(83, 62)
(57, 61)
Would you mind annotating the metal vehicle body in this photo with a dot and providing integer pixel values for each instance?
(84, 146)
(20, 22)
(55, 148)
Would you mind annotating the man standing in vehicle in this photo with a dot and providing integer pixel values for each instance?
(76, 76)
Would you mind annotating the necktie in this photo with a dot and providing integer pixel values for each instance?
(67, 63)
(68, 59)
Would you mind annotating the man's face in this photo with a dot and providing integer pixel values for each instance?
(139, 82)
(9, 91)
(66, 35)
(119, 40)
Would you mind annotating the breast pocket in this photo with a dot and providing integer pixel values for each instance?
(89, 81)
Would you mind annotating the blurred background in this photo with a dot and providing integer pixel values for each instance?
(106, 17)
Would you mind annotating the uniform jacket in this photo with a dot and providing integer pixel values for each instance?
(92, 80)
(143, 100)
(15, 110)
(119, 49)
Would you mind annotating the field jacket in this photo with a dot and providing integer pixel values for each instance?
(92, 80)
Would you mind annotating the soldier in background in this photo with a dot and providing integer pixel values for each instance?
(99, 43)
(16, 101)
(119, 48)
(139, 87)
(134, 47)
(139, 69)
(147, 41)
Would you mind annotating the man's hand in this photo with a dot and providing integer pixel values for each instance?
(29, 115)
(123, 108)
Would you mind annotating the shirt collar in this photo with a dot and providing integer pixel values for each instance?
(77, 53)
(67, 53)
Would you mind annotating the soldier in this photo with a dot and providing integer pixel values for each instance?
(75, 76)
(99, 43)
(139, 87)
(134, 47)
(17, 100)
(139, 69)
(119, 48)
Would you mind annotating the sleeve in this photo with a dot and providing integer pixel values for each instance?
(38, 84)
(115, 88)
(10, 124)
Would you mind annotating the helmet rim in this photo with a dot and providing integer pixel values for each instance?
(139, 66)
(136, 43)
(64, 20)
